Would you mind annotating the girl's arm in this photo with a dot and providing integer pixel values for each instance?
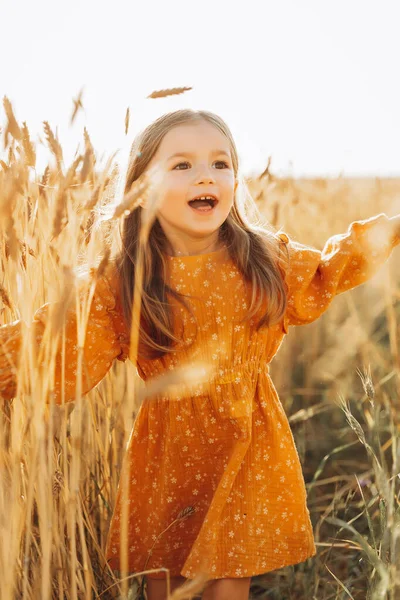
(347, 260)
(101, 346)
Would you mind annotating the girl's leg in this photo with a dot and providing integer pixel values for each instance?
(157, 588)
(227, 589)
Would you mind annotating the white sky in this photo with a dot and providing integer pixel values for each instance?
(314, 83)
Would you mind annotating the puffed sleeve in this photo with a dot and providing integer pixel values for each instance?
(347, 260)
(104, 341)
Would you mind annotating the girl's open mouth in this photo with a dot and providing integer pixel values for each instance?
(203, 204)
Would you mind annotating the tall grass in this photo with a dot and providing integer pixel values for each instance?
(60, 465)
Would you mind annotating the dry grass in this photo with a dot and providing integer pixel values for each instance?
(60, 466)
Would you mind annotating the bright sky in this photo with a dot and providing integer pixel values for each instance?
(314, 83)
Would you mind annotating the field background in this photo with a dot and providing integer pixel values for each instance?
(60, 466)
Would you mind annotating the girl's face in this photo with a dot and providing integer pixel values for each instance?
(195, 161)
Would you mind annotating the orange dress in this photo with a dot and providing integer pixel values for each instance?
(225, 454)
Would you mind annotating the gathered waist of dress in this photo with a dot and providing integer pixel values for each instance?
(236, 373)
(231, 390)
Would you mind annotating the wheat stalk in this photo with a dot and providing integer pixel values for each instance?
(169, 92)
(127, 116)
(12, 127)
(77, 106)
(30, 153)
(53, 143)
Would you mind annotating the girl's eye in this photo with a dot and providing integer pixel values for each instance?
(216, 162)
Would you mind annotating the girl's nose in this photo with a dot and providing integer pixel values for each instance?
(205, 176)
(206, 179)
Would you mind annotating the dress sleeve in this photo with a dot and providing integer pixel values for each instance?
(347, 260)
(103, 343)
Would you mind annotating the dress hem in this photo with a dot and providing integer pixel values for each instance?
(233, 575)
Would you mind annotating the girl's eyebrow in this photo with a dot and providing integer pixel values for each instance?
(191, 154)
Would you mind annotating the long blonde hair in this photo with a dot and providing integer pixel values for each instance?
(252, 244)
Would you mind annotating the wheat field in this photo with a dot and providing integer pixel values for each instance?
(338, 379)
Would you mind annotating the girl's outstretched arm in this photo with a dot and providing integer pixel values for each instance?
(347, 260)
(101, 346)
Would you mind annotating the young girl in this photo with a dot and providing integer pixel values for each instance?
(220, 288)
